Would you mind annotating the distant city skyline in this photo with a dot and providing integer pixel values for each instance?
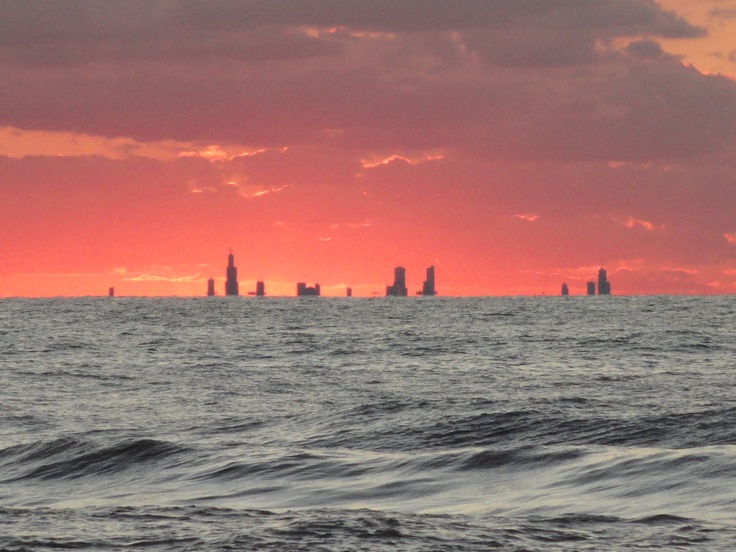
(512, 145)
(397, 289)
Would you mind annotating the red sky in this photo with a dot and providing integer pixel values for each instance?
(515, 145)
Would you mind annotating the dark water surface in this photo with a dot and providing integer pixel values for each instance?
(579, 423)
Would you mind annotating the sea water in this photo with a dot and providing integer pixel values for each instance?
(524, 423)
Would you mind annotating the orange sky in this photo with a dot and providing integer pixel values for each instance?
(514, 145)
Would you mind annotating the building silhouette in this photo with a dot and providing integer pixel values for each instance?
(565, 290)
(260, 288)
(428, 284)
(604, 286)
(591, 288)
(211, 287)
(111, 292)
(303, 291)
(231, 281)
(398, 289)
(349, 292)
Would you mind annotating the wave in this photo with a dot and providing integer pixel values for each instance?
(660, 519)
(71, 458)
(211, 528)
(524, 457)
(597, 484)
(294, 465)
(399, 426)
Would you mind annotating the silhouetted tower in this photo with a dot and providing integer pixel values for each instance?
(591, 288)
(231, 282)
(111, 292)
(565, 291)
(303, 291)
(604, 286)
(349, 292)
(428, 285)
(399, 287)
(211, 287)
(260, 289)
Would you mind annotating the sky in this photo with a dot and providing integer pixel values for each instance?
(513, 145)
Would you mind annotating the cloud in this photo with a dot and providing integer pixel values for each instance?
(629, 108)
(723, 13)
(528, 217)
(264, 75)
(645, 49)
(15, 142)
(632, 222)
(158, 278)
(145, 19)
(123, 32)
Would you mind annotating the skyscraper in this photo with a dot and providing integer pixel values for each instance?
(211, 287)
(428, 285)
(604, 286)
(260, 288)
(565, 290)
(399, 287)
(231, 281)
(591, 288)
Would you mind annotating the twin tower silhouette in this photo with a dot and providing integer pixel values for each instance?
(398, 289)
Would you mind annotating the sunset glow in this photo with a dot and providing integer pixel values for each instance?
(514, 145)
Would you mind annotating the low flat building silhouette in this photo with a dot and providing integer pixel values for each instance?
(565, 290)
(211, 287)
(398, 289)
(260, 288)
(231, 281)
(428, 284)
(604, 286)
(303, 291)
(591, 288)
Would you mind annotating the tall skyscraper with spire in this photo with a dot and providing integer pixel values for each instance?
(231, 281)
(604, 286)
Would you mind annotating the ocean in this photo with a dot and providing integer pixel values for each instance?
(331, 424)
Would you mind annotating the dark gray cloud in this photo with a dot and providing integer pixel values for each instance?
(79, 31)
(535, 79)
(630, 106)
(646, 49)
(533, 48)
(618, 16)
